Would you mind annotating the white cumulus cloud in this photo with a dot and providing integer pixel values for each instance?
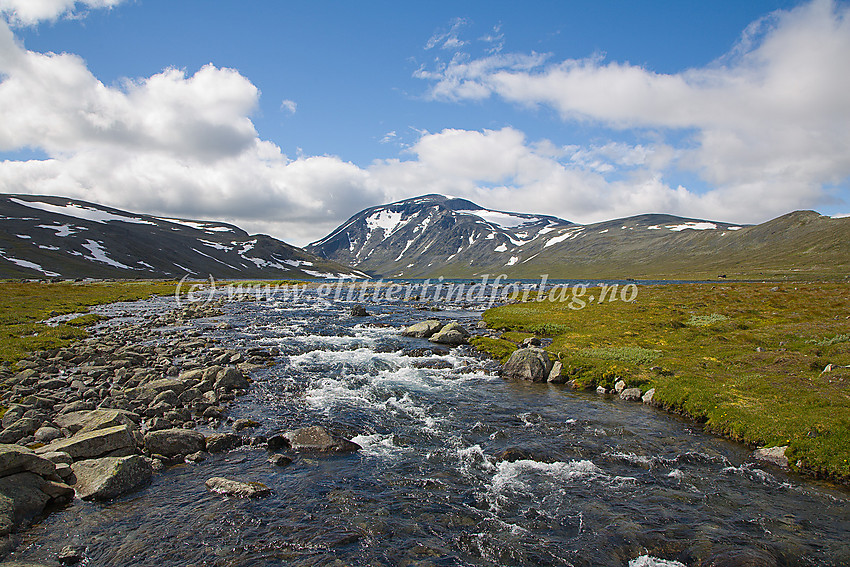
(31, 12)
(771, 118)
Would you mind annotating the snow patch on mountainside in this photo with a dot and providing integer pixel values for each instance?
(80, 212)
(63, 230)
(205, 226)
(693, 226)
(504, 220)
(388, 221)
(98, 254)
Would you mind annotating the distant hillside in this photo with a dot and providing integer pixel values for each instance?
(43, 236)
(434, 235)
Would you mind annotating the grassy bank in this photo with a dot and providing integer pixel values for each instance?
(23, 307)
(748, 360)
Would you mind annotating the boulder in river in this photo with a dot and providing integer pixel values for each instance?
(108, 477)
(451, 334)
(231, 378)
(358, 311)
(229, 487)
(423, 329)
(318, 439)
(221, 442)
(175, 442)
(528, 364)
(25, 495)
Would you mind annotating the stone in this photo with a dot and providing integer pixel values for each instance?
(221, 442)
(358, 311)
(231, 378)
(94, 444)
(773, 455)
(23, 427)
(46, 434)
(528, 364)
(13, 414)
(277, 442)
(168, 396)
(620, 386)
(423, 329)
(279, 460)
(229, 487)
(71, 554)
(317, 438)
(631, 394)
(109, 477)
(152, 389)
(647, 397)
(198, 457)
(601, 390)
(241, 424)
(24, 496)
(555, 374)
(15, 459)
(174, 442)
(451, 334)
(531, 342)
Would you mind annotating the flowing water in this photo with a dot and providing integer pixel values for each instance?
(608, 482)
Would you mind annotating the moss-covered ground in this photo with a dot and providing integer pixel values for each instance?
(748, 360)
(24, 306)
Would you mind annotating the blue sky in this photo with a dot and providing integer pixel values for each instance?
(288, 117)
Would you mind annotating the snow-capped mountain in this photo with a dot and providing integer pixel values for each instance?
(42, 236)
(418, 236)
(433, 236)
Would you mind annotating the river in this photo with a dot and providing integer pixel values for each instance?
(604, 482)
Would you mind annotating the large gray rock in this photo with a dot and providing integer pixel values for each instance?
(24, 496)
(648, 396)
(229, 487)
(528, 364)
(451, 334)
(423, 329)
(86, 421)
(108, 477)
(174, 442)
(150, 390)
(231, 378)
(21, 428)
(93, 444)
(318, 439)
(13, 414)
(15, 459)
(221, 442)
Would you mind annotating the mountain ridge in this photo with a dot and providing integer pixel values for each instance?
(435, 235)
(51, 236)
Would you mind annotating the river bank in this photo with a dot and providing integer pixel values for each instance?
(764, 364)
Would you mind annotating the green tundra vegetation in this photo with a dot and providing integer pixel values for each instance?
(765, 364)
(25, 305)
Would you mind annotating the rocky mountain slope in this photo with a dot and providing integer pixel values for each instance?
(434, 235)
(44, 236)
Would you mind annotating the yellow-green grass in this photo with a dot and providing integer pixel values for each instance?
(746, 359)
(24, 307)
